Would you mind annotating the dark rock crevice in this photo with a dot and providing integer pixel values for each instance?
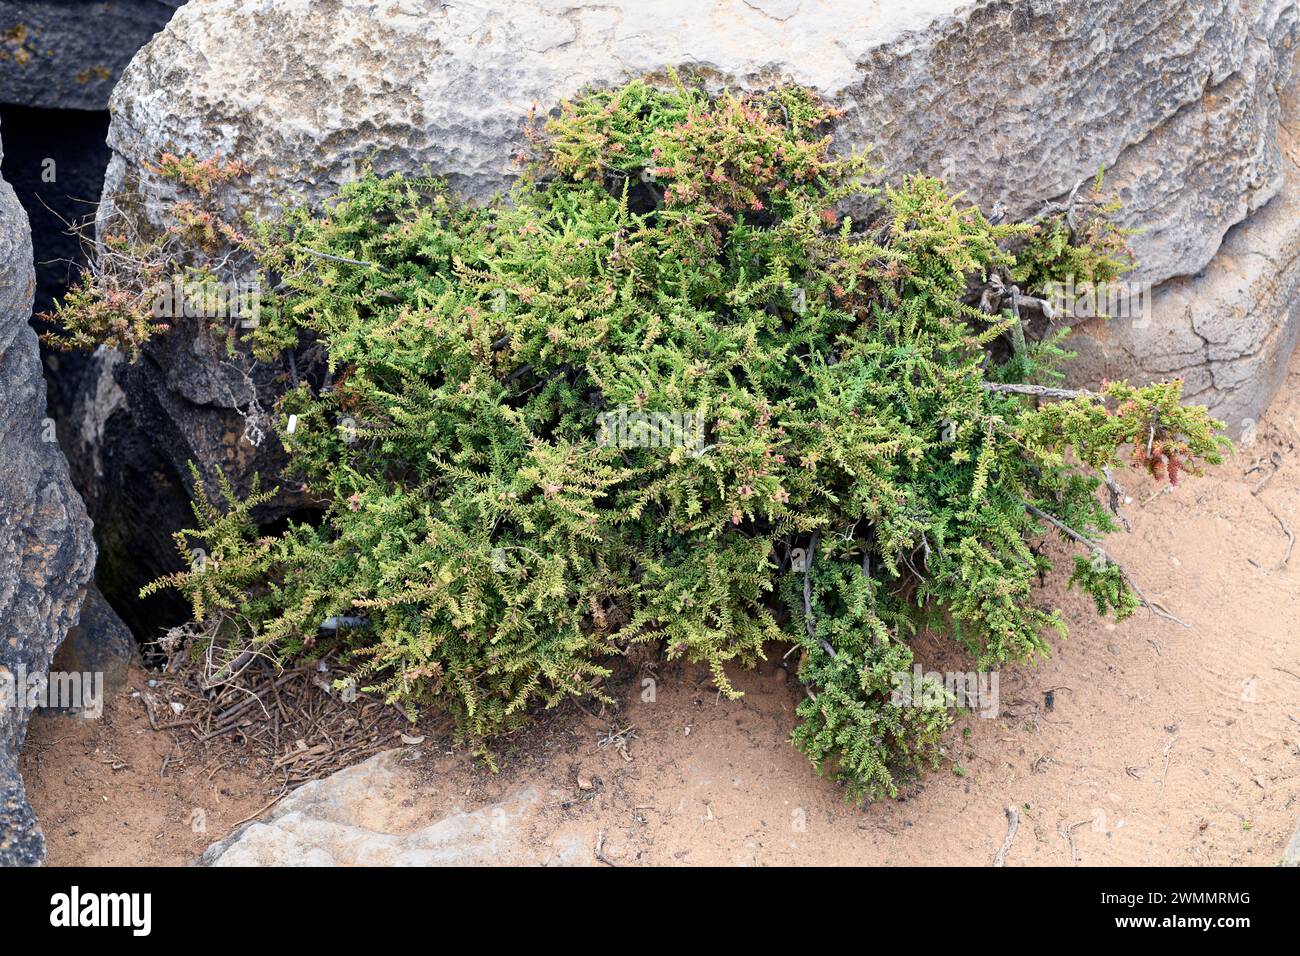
(47, 555)
(55, 159)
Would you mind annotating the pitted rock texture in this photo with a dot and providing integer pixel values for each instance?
(1228, 331)
(67, 54)
(355, 818)
(1014, 100)
(46, 551)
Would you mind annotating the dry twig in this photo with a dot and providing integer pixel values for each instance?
(1013, 821)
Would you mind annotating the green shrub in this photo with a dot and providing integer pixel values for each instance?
(669, 395)
(118, 301)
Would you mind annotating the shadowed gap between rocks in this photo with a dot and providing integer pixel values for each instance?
(55, 159)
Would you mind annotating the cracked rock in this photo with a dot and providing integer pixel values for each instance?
(1229, 330)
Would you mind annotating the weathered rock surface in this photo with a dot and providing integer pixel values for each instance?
(1014, 100)
(1229, 330)
(1291, 855)
(353, 818)
(131, 481)
(99, 644)
(67, 54)
(46, 552)
(135, 429)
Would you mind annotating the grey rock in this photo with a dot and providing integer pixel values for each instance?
(1014, 100)
(131, 481)
(67, 54)
(99, 644)
(96, 401)
(46, 551)
(1229, 330)
(198, 405)
(1220, 148)
(1291, 855)
(353, 818)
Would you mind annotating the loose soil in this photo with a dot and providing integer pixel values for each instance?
(1134, 743)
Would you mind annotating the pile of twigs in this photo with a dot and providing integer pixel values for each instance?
(291, 725)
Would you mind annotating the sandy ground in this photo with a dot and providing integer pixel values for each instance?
(1160, 745)
(113, 792)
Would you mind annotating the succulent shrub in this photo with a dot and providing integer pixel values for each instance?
(670, 394)
(117, 300)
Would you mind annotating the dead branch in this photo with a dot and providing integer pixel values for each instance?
(1013, 821)
(1153, 606)
(1043, 391)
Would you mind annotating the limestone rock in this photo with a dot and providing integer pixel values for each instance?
(1229, 330)
(67, 54)
(1014, 100)
(353, 818)
(46, 552)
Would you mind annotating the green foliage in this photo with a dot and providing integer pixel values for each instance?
(837, 474)
(1165, 436)
(94, 313)
(118, 301)
(1078, 244)
(1104, 580)
(240, 559)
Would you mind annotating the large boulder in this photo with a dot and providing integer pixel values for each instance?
(46, 551)
(67, 54)
(1016, 101)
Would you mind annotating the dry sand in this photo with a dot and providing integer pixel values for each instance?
(1162, 745)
